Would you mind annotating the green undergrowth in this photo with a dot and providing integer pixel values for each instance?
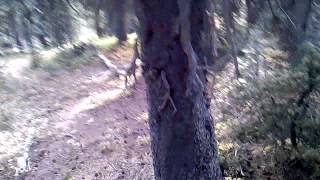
(281, 138)
(74, 56)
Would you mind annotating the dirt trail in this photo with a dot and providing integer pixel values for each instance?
(91, 127)
(98, 130)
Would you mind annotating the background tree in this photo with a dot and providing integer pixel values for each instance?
(120, 19)
(13, 24)
(61, 31)
(27, 22)
(97, 17)
(229, 25)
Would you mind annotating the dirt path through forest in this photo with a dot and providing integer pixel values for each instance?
(97, 131)
(91, 127)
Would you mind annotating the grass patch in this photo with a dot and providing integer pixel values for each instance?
(111, 42)
(69, 58)
(77, 55)
(105, 43)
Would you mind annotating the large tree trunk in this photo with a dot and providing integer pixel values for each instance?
(183, 139)
(120, 24)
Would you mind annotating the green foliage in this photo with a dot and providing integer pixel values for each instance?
(287, 117)
(105, 44)
(75, 57)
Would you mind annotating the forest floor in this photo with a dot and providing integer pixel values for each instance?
(83, 124)
(79, 124)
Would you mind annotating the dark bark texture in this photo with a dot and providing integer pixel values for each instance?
(172, 33)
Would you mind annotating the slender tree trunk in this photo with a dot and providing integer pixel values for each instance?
(61, 31)
(214, 30)
(110, 13)
(14, 26)
(252, 13)
(271, 9)
(227, 15)
(27, 32)
(27, 24)
(97, 18)
(108, 9)
(40, 25)
(183, 139)
(120, 21)
(54, 26)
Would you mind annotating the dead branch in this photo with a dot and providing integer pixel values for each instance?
(130, 71)
(206, 67)
(286, 14)
(185, 29)
(167, 97)
(107, 62)
(72, 7)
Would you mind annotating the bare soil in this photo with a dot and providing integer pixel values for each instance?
(93, 128)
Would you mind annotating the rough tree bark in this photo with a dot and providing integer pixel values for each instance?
(182, 133)
(120, 24)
